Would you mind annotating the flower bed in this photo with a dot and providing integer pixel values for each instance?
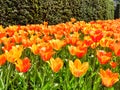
(67, 56)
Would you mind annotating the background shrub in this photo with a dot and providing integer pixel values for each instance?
(117, 9)
(54, 11)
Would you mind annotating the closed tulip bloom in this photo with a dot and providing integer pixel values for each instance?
(113, 64)
(116, 48)
(2, 59)
(56, 64)
(72, 49)
(35, 49)
(81, 51)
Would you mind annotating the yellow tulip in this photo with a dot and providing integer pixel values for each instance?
(77, 68)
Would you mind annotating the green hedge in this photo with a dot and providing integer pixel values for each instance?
(117, 11)
(54, 11)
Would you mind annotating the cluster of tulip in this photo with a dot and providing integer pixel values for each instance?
(45, 40)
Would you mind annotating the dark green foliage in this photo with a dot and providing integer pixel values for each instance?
(54, 11)
(117, 10)
(20, 12)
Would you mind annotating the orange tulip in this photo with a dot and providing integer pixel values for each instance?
(77, 68)
(46, 55)
(2, 59)
(94, 45)
(106, 42)
(46, 52)
(23, 33)
(73, 38)
(57, 44)
(81, 51)
(2, 34)
(116, 36)
(2, 30)
(10, 31)
(26, 43)
(72, 50)
(58, 35)
(46, 38)
(86, 28)
(58, 31)
(14, 54)
(72, 20)
(78, 51)
(23, 65)
(103, 57)
(113, 64)
(7, 44)
(108, 77)
(81, 44)
(88, 41)
(35, 49)
(116, 48)
(18, 38)
(56, 64)
(45, 23)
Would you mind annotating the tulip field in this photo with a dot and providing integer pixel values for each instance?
(75, 55)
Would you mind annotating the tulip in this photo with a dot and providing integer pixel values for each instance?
(56, 64)
(113, 64)
(14, 53)
(103, 57)
(108, 77)
(23, 65)
(73, 38)
(46, 52)
(57, 44)
(78, 51)
(2, 59)
(72, 50)
(96, 35)
(106, 42)
(116, 48)
(77, 68)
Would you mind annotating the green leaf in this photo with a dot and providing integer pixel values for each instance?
(1, 84)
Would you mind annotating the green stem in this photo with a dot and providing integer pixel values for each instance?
(8, 76)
